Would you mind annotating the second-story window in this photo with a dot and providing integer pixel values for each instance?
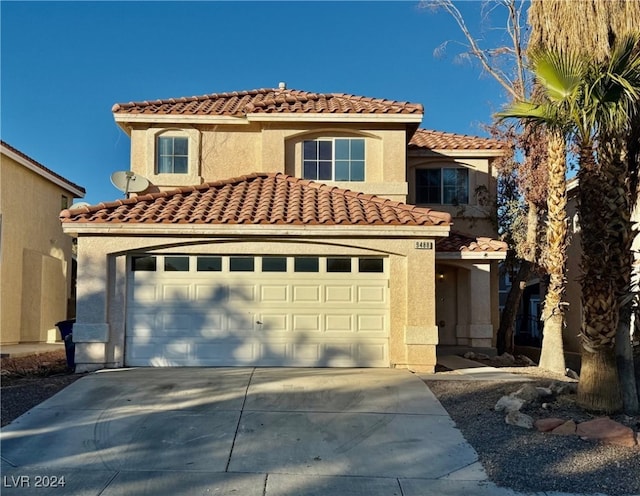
(337, 159)
(172, 155)
(443, 186)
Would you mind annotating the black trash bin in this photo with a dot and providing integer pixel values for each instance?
(66, 331)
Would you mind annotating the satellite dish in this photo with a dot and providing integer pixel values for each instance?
(128, 182)
(79, 205)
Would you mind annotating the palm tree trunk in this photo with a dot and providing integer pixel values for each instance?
(598, 387)
(615, 168)
(552, 354)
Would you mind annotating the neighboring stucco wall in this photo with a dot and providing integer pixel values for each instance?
(227, 151)
(100, 329)
(573, 291)
(35, 255)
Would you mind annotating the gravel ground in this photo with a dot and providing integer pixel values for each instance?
(527, 460)
(28, 381)
(521, 459)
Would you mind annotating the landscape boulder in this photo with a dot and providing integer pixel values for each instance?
(548, 424)
(509, 403)
(519, 419)
(566, 429)
(528, 393)
(607, 431)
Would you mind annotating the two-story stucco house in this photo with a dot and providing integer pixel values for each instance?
(35, 255)
(278, 229)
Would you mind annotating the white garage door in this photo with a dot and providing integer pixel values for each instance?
(239, 310)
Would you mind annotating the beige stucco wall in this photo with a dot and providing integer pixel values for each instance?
(227, 151)
(35, 255)
(473, 218)
(467, 302)
(99, 333)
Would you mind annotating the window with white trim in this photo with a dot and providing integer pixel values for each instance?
(333, 159)
(442, 186)
(172, 155)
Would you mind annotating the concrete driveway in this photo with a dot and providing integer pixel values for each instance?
(241, 431)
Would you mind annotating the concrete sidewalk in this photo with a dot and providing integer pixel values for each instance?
(242, 431)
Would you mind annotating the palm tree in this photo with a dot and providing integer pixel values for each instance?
(590, 28)
(560, 80)
(611, 104)
(596, 102)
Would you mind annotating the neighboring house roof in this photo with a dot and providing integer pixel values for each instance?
(258, 198)
(438, 140)
(269, 101)
(38, 168)
(459, 242)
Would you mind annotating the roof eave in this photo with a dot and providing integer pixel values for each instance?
(455, 152)
(123, 119)
(342, 231)
(471, 255)
(76, 191)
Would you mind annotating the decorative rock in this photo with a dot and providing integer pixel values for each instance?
(527, 360)
(543, 392)
(571, 373)
(548, 424)
(469, 355)
(519, 419)
(509, 404)
(506, 359)
(557, 387)
(528, 393)
(608, 431)
(566, 429)
(482, 356)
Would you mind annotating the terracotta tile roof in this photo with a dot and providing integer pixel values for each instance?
(438, 140)
(458, 242)
(258, 199)
(269, 101)
(41, 167)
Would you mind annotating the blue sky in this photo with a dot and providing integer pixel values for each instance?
(64, 65)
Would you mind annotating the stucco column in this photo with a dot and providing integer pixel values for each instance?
(91, 330)
(480, 327)
(462, 309)
(421, 331)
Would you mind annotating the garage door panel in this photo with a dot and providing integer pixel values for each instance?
(309, 322)
(223, 318)
(213, 294)
(241, 322)
(306, 294)
(273, 322)
(371, 352)
(242, 293)
(375, 323)
(371, 294)
(213, 321)
(305, 353)
(143, 293)
(175, 292)
(339, 323)
(274, 293)
(339, 294)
